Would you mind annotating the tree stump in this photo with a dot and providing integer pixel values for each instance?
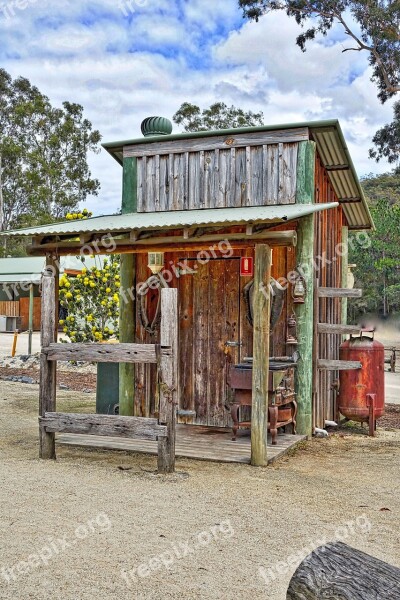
(339, 572)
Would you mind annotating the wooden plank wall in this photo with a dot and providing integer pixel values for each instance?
(218, 178)
(9, 309)
(328, 271)
(211, 311)
(24, 313)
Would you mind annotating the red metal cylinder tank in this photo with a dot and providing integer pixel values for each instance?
(356, 385)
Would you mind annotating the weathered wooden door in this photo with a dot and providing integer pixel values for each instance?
(209, 319)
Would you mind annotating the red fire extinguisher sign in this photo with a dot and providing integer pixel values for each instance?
(247, 266)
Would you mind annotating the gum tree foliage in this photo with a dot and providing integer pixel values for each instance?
(372, 26)
(217, 116)
(90, 302)
(378, 268)
(43, 156)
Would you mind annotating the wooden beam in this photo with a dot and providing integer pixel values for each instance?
(330, 168)
(338, 365)
(173, 244)
(350, 200)
(261, 331)
(338, 329)
(324, 292)
(107, 353)
(103, 425)
(47, 387)
(169, 376)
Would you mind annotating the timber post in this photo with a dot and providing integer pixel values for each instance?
(345, 272)
(169, 379)
(47, 390)
(127, 311)
(30, 326)
(261, 333)
(305, 194)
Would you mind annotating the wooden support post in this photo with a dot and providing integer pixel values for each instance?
(127, 313)
(305, 194)
(305, 327)
(262, 309)
(345, 272)
(127, 323)
(169, 378)
(48, 370)
(30, 326)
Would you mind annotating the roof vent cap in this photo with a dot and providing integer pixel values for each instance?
(156, 126)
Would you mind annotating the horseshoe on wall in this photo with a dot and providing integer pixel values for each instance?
(153, 282)
(277, 302)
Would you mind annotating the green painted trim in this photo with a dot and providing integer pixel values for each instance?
(127, 311)
(205, 134)
(305, 327)
(129, 186)
(127, 326)
(305, 181)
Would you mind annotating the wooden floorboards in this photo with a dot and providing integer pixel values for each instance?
(202, 443)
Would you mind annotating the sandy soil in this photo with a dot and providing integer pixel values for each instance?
(68, 528)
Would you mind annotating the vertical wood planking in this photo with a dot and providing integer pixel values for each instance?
(231, 325)
(216, 356)
(240, 178)
(200, 346)
(186, 182)
(261, 307)
(187, 340)
(225, 178)
(233, 184)
(273, 174)
(157, 183)
(141, 204)
(248, 176)
(257, 177)
(48, 369)
(281, 175)
(169, 396)
(164, 183)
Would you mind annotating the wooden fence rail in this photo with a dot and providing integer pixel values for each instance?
(110, 353)
(164, 355)
(104, 425)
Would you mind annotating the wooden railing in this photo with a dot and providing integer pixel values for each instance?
(164, 355)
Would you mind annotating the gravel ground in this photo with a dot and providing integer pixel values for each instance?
(91, 514)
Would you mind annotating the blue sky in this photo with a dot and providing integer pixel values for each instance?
(124, 61)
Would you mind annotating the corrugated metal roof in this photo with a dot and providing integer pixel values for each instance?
(336, 158)
(331, 146)
(29, 269)
(170, 220)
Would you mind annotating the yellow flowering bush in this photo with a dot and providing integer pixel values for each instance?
(76, 216)
(91, 301)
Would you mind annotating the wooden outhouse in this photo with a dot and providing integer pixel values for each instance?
(223, 214)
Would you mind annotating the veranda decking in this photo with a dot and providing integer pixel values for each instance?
(192, 441)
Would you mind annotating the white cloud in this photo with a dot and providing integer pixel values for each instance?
(123, 68)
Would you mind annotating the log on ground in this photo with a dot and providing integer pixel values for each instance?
(339, 572)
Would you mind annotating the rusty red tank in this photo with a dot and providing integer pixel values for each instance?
(360, 388)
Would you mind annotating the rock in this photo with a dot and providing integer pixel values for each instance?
(24, 357)
(25, 379)
(62, 386)
(87, 391)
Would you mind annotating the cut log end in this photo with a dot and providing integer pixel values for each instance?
(338, 572)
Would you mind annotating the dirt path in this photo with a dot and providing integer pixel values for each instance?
(69, 527)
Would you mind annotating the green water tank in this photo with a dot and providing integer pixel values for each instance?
(107, 393)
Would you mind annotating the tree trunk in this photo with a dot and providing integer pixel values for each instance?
(339, 572)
